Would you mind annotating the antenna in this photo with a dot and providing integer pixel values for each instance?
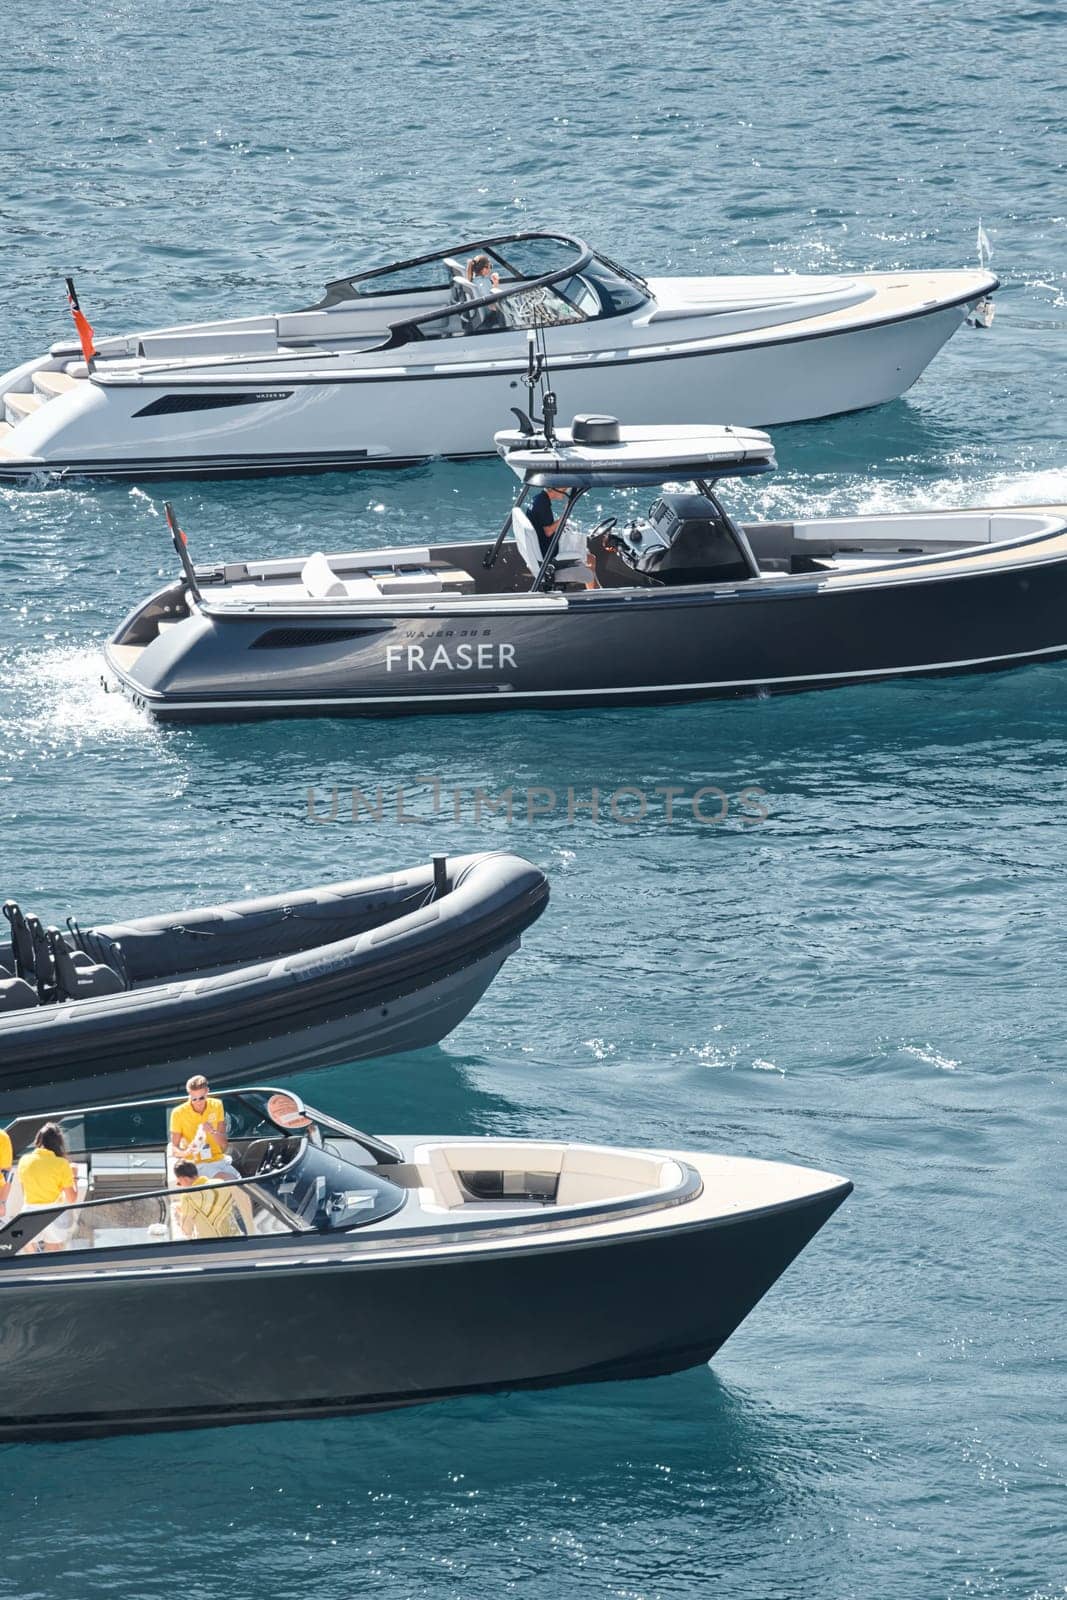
(181, 545)
(537, 376)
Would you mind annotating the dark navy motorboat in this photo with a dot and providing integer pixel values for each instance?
(679, 603)
(311, 978)
(333, 1271)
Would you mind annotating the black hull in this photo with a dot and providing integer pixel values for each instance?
(407, 992)
(593, 699)
(109, 1355)
(643, 647)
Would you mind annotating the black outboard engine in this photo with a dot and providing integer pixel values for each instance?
(685, 541)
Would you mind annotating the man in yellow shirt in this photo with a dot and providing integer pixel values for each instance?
(198, 1131)
(7, 1161)
(205, 1209)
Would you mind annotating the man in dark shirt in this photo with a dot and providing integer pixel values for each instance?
(545, 512)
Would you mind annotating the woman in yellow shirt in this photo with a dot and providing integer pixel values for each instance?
(47, 1179)
(7, 1161)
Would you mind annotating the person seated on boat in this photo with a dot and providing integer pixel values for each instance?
(47, 1179)
(198, 1131)
(484, 281)
(544, 512)
(205, 1209)
(544, 515)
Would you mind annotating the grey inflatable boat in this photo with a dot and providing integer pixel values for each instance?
(312, 978)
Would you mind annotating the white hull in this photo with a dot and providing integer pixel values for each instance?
(297, 411)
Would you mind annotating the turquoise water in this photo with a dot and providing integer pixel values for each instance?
(869, 980)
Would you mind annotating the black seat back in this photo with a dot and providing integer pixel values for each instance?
(44, 967)
(21, 941)
(76, 977)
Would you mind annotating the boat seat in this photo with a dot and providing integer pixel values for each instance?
(587, 1175)
(446, 1187)
(21, 941)
(362, 589)
(44, 967)
(323, 583)
(16, 995)
(78, 976)
(529, 546)
(324, 328)
(411, 583)
(320, 580)
(236, 342)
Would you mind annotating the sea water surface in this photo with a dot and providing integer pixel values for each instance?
(869, 978)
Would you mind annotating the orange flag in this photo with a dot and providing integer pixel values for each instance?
(81, 322)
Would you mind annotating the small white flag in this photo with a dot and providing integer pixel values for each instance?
(985, 249)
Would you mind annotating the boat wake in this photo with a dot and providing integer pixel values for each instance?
(55, 700)
(858, 495)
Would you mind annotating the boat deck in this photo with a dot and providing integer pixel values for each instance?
(604, 1201)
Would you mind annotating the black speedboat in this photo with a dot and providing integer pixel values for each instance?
(311, 978)
(679, 604)
(351, 1273)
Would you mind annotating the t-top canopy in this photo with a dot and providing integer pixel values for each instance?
(640, 455)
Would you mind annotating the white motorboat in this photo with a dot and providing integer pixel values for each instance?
(418, 358)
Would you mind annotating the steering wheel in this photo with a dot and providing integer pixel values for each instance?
(605, 526)
(272, 1158)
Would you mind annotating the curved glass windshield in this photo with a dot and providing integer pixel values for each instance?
(617, 293)
(326, 1189)
(533, 257)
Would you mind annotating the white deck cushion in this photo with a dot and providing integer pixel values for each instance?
(362, 589)
(589, 1175)
(320, 580)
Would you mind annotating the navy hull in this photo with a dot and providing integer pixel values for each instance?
(313, 980)
(332, 1331)
(616, 647)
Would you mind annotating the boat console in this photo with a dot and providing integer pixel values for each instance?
(684, 539)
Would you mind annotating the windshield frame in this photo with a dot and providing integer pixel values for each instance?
(411, 328)
(149, 1135)
(24, 1226)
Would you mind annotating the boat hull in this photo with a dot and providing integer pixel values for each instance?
(335, 1332)
(602, 648)
(382, 416)
(399, 986)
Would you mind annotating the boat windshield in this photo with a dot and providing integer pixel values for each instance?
(513, 257)
(287, 1170)
(499, 285)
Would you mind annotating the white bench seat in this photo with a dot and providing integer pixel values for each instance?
(587, 1175)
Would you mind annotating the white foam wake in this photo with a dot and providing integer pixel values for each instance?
(54, 698)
